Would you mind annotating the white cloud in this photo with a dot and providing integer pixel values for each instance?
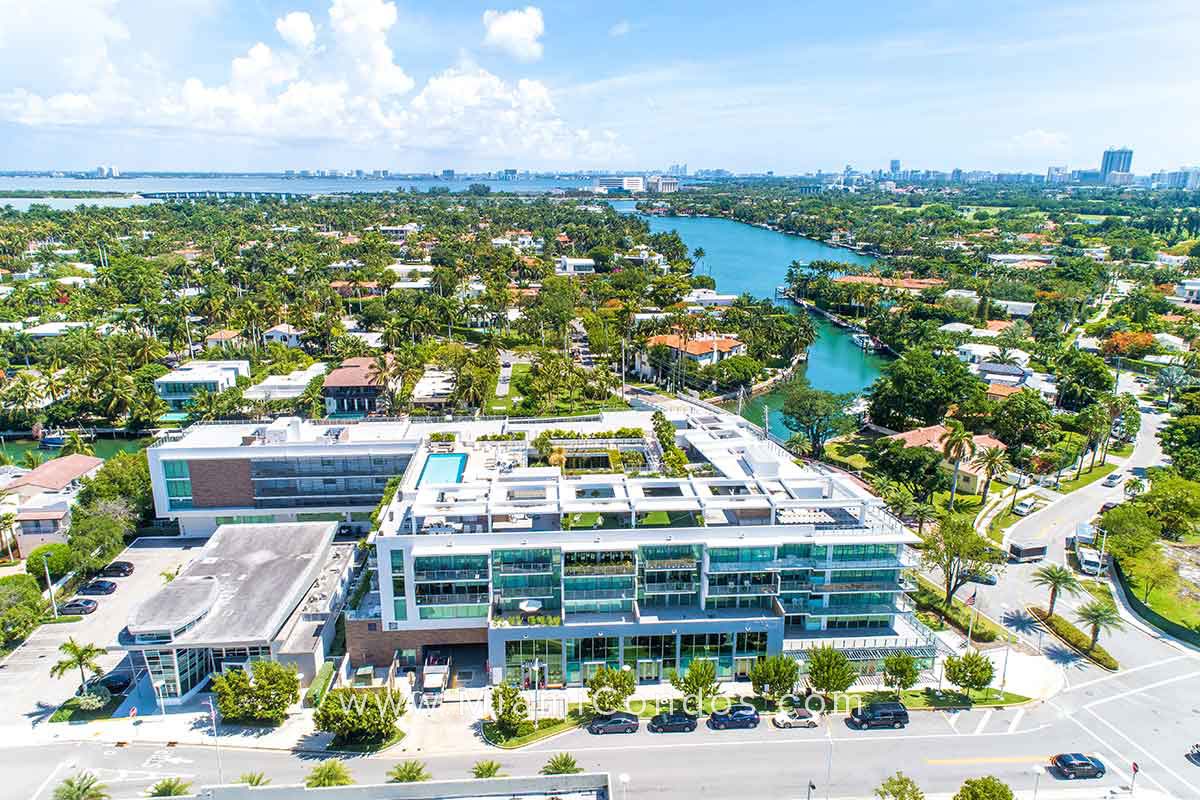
(341, 86)
(515, 32)
(621, 28)
(297, 29)
(1041, 141)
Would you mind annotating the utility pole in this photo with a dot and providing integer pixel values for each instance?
(212, 715)
(50, 586)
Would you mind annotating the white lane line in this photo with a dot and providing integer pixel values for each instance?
(1125, 672)
(1149, 755)
(42, 786)
(983, 722)
(1012, 726)
(951, 719)
(1141, 689)
(1119, 756)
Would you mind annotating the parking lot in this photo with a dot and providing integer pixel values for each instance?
(27, 692)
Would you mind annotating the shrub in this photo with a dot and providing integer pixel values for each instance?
(261, 694)
(94, 698)
(411, 771)
(509, 709)
(319, 686)
(171, 787)
(57, 557)
(486, 769)
(355, 716)
(1076, 638)
(328, 773)
(957, 614)
(561, 764)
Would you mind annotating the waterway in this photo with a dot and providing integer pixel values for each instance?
(745, 258)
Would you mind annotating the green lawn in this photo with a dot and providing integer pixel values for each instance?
(851, 450)
(367, 747)
(546, 727)
(71, 712)
(926, 699)
(1121, 451)
(1000, 523)
(669, 519)
(966, 503)
(503, 405)
(1088, 477)
(1097, 589)
(1172, 605)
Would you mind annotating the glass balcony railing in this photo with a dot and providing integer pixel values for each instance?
(836, 587)
(527, 568)
(668, 564)
(598, 594)
(851, 609)
(671, 587)
(741, 589)
(451, 599)
(619, 568)
(449, 575)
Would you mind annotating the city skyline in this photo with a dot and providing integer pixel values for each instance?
(293, 83)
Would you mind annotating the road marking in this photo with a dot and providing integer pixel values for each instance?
(1120, 757)
(1012, 726)
(983, 722)
(1149, 755)
(1141, 689)
(1125, 672)
(42, 786)
(988, 760)
(951, 719)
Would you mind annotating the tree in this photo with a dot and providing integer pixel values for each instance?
(774, 677)
(1130, 530)
(1174, 502)
(1099, 615)
(899, 787)
(353, 716)
(957, 443)
(900, 671)
(125, 476)
(486, 769)
(992, 461)
(816, 413)
(261, 694)
(561, 764)
(917, 469)
(1171, 379)
(956, 550)
(988, 787)
(411, 771)
(609, 688)
(81, 786)
(1023, 419)
(699, 682)
(171, 787)
(1082, 377)
(56, 556)
(509, 708)
(829, 670)
(1057, 579)
(76, 445)
(971, 671)
(253, 779)
(1155, 571)
(330, 772)
(82, 657)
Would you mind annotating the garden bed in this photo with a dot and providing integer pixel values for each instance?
(1074, 638)
(928, 598)
(528, 733)
(71, 712)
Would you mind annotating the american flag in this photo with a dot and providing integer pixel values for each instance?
(971, 599)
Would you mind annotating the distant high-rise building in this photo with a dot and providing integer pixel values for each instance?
(1183, 178)
(447, 174)
(508, 175)
(1116, 159)
(1057, 175)
(894, 167)
(678, 170)
(628, 183)
(113, 172)
(1119, 178)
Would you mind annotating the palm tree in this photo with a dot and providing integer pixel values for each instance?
(254, 779)
(923, 513)
(957, 444)
(1099, 615)
(411, 771)
(171, 787)
(328, 773)
(486, 769)
(75, 445)
(1056, 578)
(77, 656)
(1134, 487)
(993, 461)
(83, 786)
(561, 764)
(1171, 380)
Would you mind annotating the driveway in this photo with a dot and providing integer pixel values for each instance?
(28, 695)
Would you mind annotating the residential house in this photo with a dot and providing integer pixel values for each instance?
(703, 350)
(179, 386)
(284, 334)
(45, 497)
(970, 477)
(1169, 341)
(564, 265)
(284, 387)
(354, 388)
(435, 388)
(224, 338)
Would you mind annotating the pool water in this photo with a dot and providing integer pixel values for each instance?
(443, 468)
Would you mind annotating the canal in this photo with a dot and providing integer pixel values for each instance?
(745, 258)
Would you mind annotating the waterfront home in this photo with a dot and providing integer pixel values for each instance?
(707, 298)
(975, 353)
(355, 387)
(970, 477)
(1011, 259)
(564, 265)
(356, 288)
(224, 338)
(178, 387)
(50, 330)
(45, 497)
(703, 350)
(907, 284)
(435, 388)
(1169, 341)
(284, 387)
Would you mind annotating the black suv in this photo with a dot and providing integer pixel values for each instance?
(616, 722)
(738, 716)
(117, 569)
(880, 715)
(115, 682)
(1077, 765)
(672, 721)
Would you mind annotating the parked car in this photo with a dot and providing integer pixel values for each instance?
(616, 722)
(1024, 507)
(879, 715)
(99, 587)
(794, 718)
(1077, 765)
(738, 716)
(79, 605)
(1109, 506)
(117, 569)
(672, 722)
(1113, 479)
(115, 682)
(986, 580)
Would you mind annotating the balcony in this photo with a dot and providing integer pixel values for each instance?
(669, 564)
(540, 568)
(862, 586)
(671, 587)
(452, 599)
(742, 589)
(583, 569)
(852, 609)
(599, 594)
(449, 575)
(795, 586)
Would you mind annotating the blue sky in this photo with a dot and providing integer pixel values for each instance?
(751, 86)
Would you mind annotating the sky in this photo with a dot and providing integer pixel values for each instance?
(793, 87)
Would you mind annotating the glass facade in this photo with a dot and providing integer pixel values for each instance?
(527, 575)
(178, 481)
(586, 656)
(399, 602)
(520, 658)
(323, 481)
(717, 647)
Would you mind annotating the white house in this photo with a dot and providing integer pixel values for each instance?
(708, 298)
(48, 330)
(1187, 291)
(178, 386)
(1169, 341)
(564, 265)
(285, 387)
(973, 353)
(1174, 261)
(284, 334)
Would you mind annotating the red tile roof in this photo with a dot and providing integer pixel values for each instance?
(58, 473)
(894, 283)
(696, 347)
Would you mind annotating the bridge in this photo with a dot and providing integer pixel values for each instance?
(210, 194)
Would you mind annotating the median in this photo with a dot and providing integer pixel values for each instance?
(1074, 638)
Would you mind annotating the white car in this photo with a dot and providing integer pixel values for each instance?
(1114, 479)
(794, 718)
(1024, 507)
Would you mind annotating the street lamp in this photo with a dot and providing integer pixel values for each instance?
(623, 778)
(160, 695)
(49, 585)
(1037, 779)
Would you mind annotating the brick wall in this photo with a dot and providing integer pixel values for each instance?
(221, 483)
(376, 647)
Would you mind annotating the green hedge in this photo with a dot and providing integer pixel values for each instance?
(319, 686)
(928, 597)
(1076, 638)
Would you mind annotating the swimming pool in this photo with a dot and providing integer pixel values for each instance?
(443, 468)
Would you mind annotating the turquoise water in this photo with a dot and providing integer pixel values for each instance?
(744, 258)
(15, 449)
(443, 468)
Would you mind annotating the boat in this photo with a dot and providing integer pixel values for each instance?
(56, 439)
(867, 342)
